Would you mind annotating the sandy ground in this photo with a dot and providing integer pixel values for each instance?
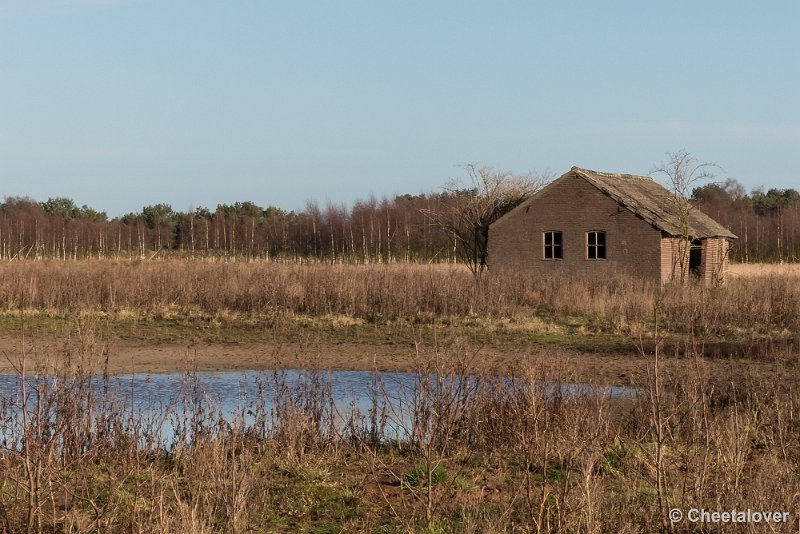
(126, 357)
(134, 357)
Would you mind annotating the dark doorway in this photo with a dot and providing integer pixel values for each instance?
(696, 258)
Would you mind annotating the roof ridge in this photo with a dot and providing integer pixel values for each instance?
(647, 200)
(611, 174)
(643, 196)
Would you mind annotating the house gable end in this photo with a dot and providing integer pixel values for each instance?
(642, 196)
(576, 210)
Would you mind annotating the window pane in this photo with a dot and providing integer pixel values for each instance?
(552, 245)
(596, 245)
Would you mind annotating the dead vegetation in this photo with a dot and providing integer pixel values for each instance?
(762, 307)
(474, 453)
(751, 270)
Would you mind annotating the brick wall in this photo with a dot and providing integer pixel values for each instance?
(671, 264)
(573, 206)
(715, 260)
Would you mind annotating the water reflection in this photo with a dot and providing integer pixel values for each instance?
(165, 409)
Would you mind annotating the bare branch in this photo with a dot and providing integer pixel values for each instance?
(487, 195)
(682, 172)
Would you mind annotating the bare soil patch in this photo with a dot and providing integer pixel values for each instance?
(126, 356)
(192, 354)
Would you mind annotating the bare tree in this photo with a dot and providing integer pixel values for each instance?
(683, 172)
(488, 195)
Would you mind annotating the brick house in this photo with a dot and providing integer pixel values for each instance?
(589, 223)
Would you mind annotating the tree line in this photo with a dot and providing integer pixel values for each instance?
(405, 228)
(372, 230)
(767, 222)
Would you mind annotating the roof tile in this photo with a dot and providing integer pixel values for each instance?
(652, 202)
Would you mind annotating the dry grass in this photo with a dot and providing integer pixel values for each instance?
(757, 270)
(758, 307)
(478, 454)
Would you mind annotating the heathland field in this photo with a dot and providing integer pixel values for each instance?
(739, 270)
(715, 425)
(152, 316)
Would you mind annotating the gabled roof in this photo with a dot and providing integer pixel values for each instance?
(652, 202)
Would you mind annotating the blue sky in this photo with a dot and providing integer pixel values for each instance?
(123, 103)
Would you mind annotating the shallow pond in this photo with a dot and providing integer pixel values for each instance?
(163, 406)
